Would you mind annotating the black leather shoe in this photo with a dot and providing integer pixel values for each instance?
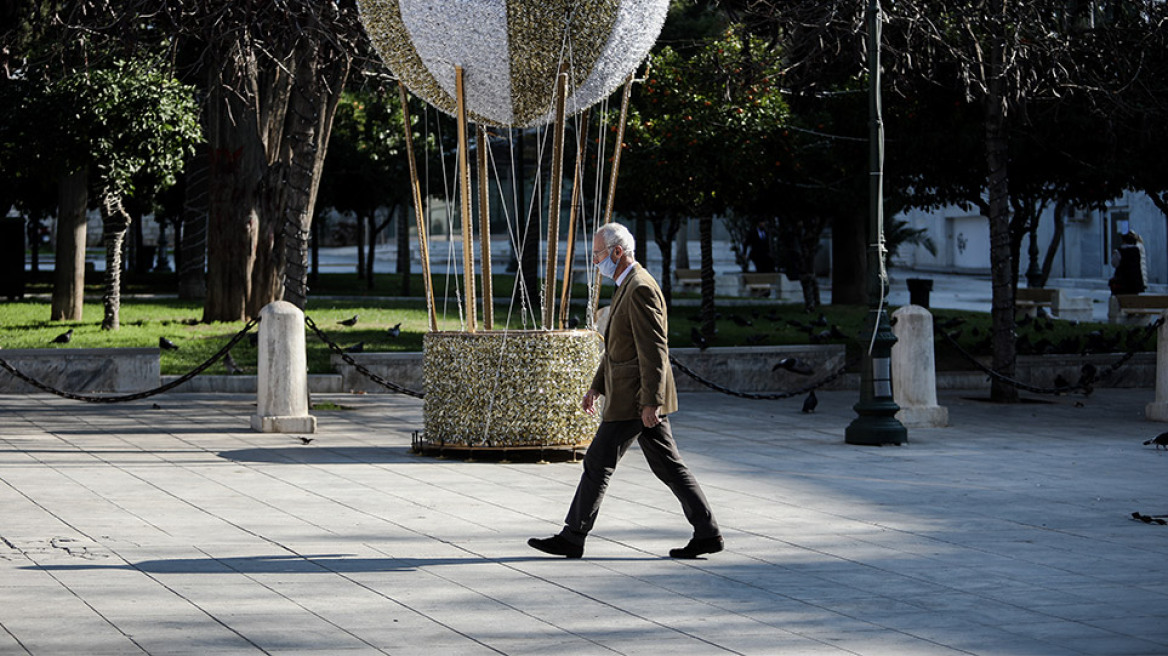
(557, 545)
(698, 547)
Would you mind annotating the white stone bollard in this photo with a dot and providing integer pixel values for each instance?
(914, 370)
(282, 385)
(1158, 409)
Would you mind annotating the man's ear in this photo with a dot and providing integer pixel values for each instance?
(619, 252)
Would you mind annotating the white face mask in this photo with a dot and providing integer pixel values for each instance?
(606, 266)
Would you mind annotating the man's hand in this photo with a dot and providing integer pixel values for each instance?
(589, 402)
(649, 415)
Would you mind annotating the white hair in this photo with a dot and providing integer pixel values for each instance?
(615, 234)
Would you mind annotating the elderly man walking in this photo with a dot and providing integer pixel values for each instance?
(636, 381)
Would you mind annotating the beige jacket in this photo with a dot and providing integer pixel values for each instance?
(635, 370)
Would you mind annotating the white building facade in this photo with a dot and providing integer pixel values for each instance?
(962, 240)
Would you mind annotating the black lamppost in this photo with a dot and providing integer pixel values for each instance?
(876, 424)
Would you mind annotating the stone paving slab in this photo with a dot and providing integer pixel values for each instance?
(130, 529)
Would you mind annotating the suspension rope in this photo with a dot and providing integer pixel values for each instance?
(1086, 381)
(137, 395)
(763, 397)
(335, 348)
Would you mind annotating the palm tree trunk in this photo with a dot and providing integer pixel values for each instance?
(116, 223)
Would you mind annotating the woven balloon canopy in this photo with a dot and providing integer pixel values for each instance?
(511, 51)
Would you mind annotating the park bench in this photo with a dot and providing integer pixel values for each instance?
(688, 279)
(1029, 301)
(765, 285)
(1136, 308)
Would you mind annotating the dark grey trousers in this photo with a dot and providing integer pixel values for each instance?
(612, 440)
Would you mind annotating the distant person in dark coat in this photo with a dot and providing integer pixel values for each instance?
(758, 249)
(1128, 261)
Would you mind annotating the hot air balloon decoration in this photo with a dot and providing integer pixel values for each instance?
(510, 64)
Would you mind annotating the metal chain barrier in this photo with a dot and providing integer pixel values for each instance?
(1086, 381)
(362, 370)
(137, 395)
(762, 397)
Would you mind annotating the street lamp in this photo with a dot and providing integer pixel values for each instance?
(876, 424)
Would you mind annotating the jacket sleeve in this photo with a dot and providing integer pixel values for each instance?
(598, 378)
(651, 336)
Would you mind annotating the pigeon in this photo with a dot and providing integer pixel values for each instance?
(952, 322)
(1150, 519)
(1160, 440)
(167, 345)
(573, 322)
(1060, 381)
(741, 321)
(63, 338)
(795, 366)
(306, 440)
(699, 340)
(810, 402)
(155, 406)
(351, 321)
(395, 331)
(755, 338)
(821, 321)
(230, 364)
(253, 339)
(359, 347)
(836, 333)
(1087, 374)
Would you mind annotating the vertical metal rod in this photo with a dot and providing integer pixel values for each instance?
(485, 230)
(612, 178)
(557, 183)
(464, 192)
(876, 423)
(423, 239)
(616, 152)
(577, 182)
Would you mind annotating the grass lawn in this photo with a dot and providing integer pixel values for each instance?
(25, 324)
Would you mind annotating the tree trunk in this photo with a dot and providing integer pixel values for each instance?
(69, 269)
(706, 235)
(321, 78)
(314, 274)
(191, 247)
(683, 245)
(1159, 199)
(115, 225)
(362, 232)
(664, 232)
(236, 164)
(1056, 240)
(33, 236)
(849, 259)
(135, 244)
(640, 226)
(403, 249)
(1001, 267)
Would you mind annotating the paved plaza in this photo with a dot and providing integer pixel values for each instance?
(135, 529)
